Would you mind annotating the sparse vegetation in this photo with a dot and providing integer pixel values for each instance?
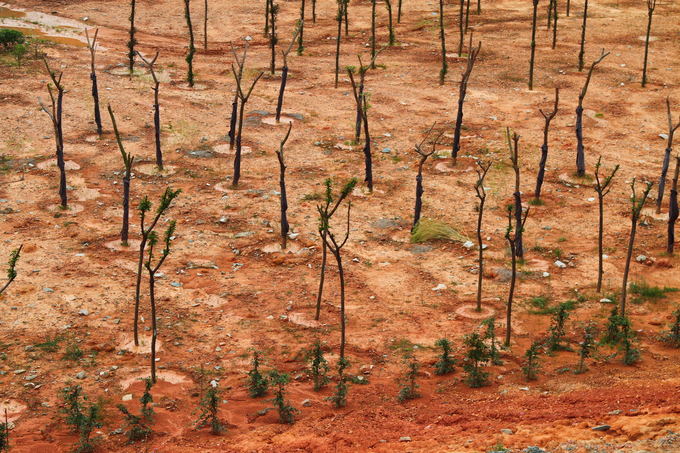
(446, 363)
(409, 387)
(286, 411)
(257, 382)
(476, 356)
(209, 405)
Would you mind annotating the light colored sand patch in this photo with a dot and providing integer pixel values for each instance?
(169, 376)
(152, 170)
(52, 164)
(470, 311)
(271, 120)
(224, 149)
(116, 246)
(72, 209)
(14, 410)
(144, 347)
(273, 248)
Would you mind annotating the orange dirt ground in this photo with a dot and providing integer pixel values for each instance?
(223, 294)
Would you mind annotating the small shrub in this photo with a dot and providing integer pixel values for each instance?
(73, 352)
(339, 399)
(490, 334)
(147, 399)
(587, 346)
(409, 388)
(257, 383)
(137, 430)
(50, 344)
(445, 364)
(531, 365)
(209, 410)
(557, 329)
(672, 336)
(476, 356)
(613, 332)
(82, 419)
(430, 229)
(10, 38)
(644, 292)
(630, 354)
(318, 367)
(286, 411)
(4, 434)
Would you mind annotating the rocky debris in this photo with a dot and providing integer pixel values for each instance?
(81, 375)
(506, 431)
(419, 249)
(84, 312)
(560, 264)
(127, 397)
(385, 224)
(439, 287)
(405, 439)
(534, 449)
(601, 428)
(306, 403)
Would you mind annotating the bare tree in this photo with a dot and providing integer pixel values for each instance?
(273, 36)
(419, 177)
(234, 105)
(192, 47)
(363, 103)
(533, 45)
(399, 12)
(461, 28)
(152, 269)
(568, 7)
(156, 108)
(132, 41)
(282, 187)
(205, 25)
(326, 211)
(480, 190)
(145, 232)
(580, 155)
(267, 4)
(335, 246)
(667, 155)
(554, 31)
(637, 203)
(284, 71)
(55, 114)
(313, 11)
(467, 15)
(442, 38)
(651, 5)
(673, 208)
(92, 47)
(513, 144)
(128, 160)
(342, 4)
(512, 241)
(462, 92)
(243, 98)
(392, 38)
(362, 70)
(544, 147)
(602, 187)
(582, 51)
(373, 46)
(301, 27)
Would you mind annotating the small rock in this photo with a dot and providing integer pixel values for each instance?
(127, 397)
(405, 439)
(386, 150)
(601, 428)
(306, 403)
(546, 274)
(615, 412)
(243, 234)
(641, 258)
(19, 371)
(84, 312)
(176, 284)
(48, 290)
(604, 300)
(506, 431)
(439, 287)
(560, 264)
(468, 245)
(81, 375)
(534, 449)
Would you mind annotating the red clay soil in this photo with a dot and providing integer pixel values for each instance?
(226, 287)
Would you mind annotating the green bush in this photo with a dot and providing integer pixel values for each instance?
(10, 38)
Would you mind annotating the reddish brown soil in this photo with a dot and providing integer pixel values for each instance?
(70, 261)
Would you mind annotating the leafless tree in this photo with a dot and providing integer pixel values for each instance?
(363, 103)
(424, 155)
(442, 39)
(301, 27)
(533, 45)
(512, 235)
(544, 147)
(582, 51)
(513, 145)
(667, 155)
(651, 5)
(156, 108)
(480, 190)
(673, 208)
(128, 160)
(637, 203)
(461, 28)
(205, 25)
(602, 187)
(92, 47)
(282, 187)
(55, 114)
(132, 41)
(284, 71)
(462, 92)
(273, 36)
(192, 47)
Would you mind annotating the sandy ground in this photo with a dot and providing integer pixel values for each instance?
(226, 288)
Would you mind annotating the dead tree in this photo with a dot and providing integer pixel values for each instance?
(284, 71)
(11, 273)
(92, 47)
(282, 187)
(392, 38)
(301, 27)
(156, 109)
(145, 232)
(673, 208)
(467, 15)
(342, 4)
(192, 47)
(313, 11)
(128, 160)
(132, 41)
(544, 147)
(399, 12)
(361, 70)
(243, 98)
(461, 28)
(554, 31)
(462, 92)
(568, 7)
(550, 12)
(205, 26)
(533, 45)
(152, 269)
(480, 190)
(419, 177)
(326, 211)
(335, 246)
(234, 105)
(55, 114)
(267, 3)
(602, 187)
(363, 103)
(273, 37)
(442, 38)
(346, 18)
(512, 241)
(580, 154)
(373, 48)
(582, 51)
(637, 203)
(651, 4)
(513, 144)
(667, 155)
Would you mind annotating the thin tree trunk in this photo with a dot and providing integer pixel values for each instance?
(132, 41)
(279, 105)
(662, 179)
(568, 7)
(442, 38)
(467, 15)
(649, 29)
(459, 123)
(360, 114)
(673, 209)
(154, 328)
(95, 97)
(519, 247)
(337, 43)
(60, 150)
(322, 277)
(480, 245)
(461, 28)
(541, 168)
(419, 195)
(232, 121)
(373, 2)
(192, 47)
(285, 227)
(582, 52)
(511, 295)
(301, 37)
(554, 35)
(399, 12)
(533, 45)
(368, 160)
(205, 25)
(580, 154)
(237, 156)
(626, 270)
(600, 239)
(138, 287)
(124, 233)
(313, 11)
(157, 127)
(338, 259)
